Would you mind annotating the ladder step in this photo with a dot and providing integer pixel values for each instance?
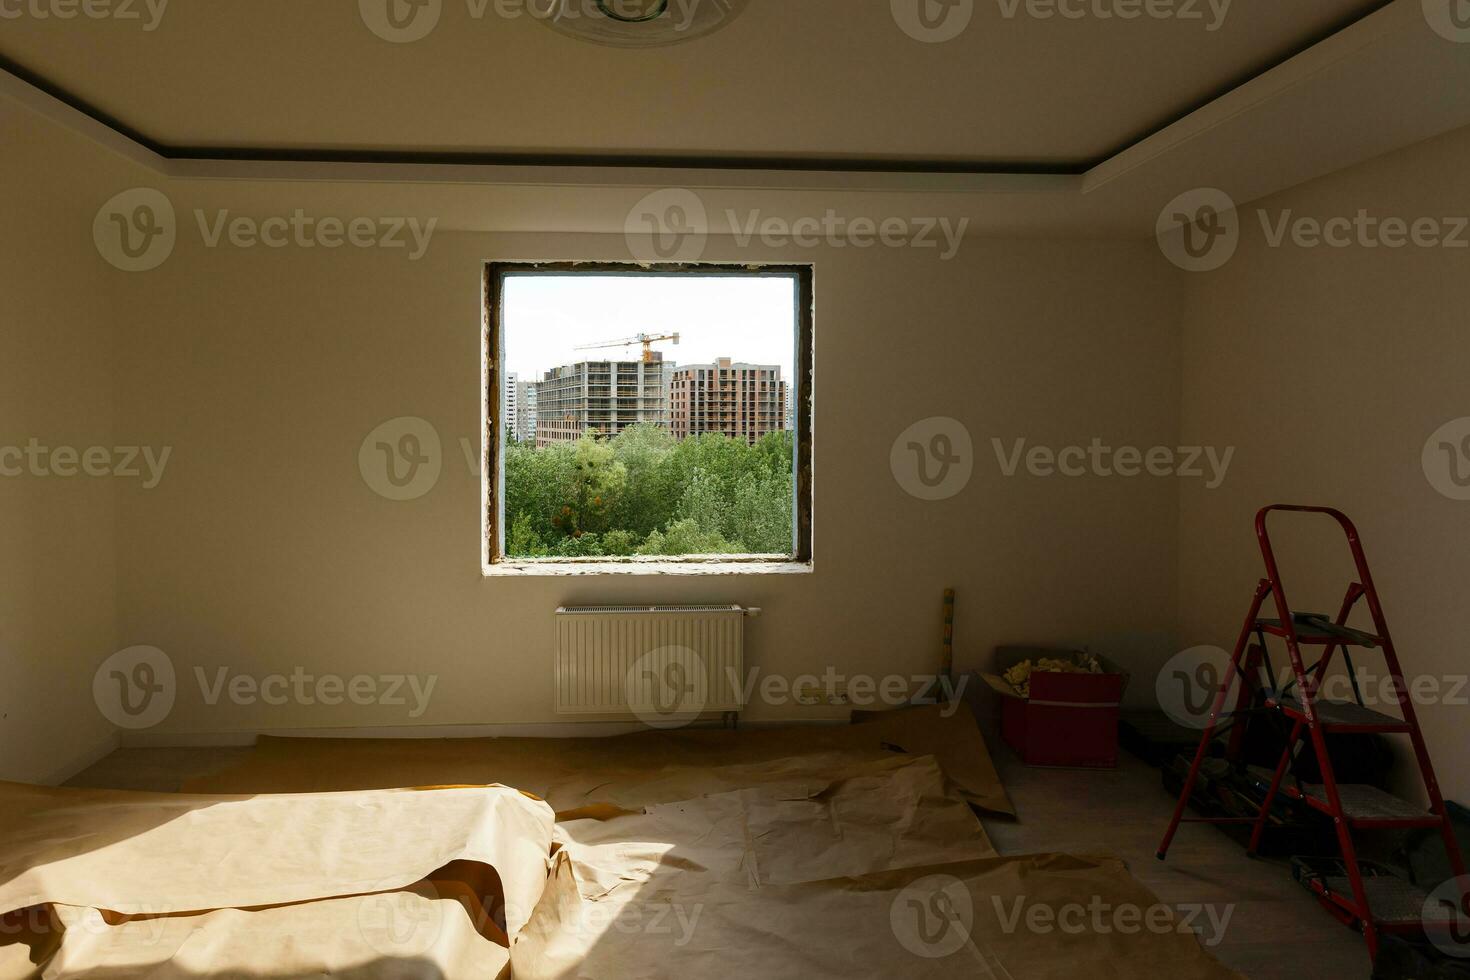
(1320, 631)
(1365, 806)
(1343, 716)
(1392, 901)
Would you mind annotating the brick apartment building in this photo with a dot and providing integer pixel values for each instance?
(744, 401)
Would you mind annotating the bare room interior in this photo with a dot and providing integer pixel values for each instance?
(642, 489)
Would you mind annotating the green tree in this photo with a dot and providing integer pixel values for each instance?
(644, 451)
(522, 541)
(597, 480)
(643, 492)
(760, 513)
(688, 538)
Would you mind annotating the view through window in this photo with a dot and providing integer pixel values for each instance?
(648, 414)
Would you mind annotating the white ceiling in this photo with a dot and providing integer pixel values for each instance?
(1386, 81)
(823, 79)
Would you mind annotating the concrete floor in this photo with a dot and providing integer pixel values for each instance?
(1275, 929)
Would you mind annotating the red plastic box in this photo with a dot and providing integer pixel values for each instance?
(1070, 720)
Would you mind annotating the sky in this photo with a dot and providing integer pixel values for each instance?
(745, 318)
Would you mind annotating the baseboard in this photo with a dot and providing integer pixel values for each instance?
(83, 761)
(158, 740)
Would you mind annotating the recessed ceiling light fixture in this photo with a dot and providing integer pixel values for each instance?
(638, 23)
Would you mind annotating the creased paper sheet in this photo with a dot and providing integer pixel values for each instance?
(146, 853)
(573, 772)
(864, 816)
(878, 872)
(411, 933)
(953, 920)
(841, 863)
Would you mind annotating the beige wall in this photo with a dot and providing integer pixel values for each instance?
(263, 550)
(1329, 369)
(57, 540)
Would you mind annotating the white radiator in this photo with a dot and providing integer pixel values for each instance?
(661, 664)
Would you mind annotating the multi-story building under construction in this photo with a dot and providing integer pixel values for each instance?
(743, 401)
(601, 398)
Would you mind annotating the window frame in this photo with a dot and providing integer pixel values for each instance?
(493, 557)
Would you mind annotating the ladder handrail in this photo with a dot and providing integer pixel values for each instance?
(1360, 560)
(1350, 529)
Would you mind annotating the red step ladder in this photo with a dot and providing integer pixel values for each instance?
(1379, 904)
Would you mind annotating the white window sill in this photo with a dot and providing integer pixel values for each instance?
(522, 569)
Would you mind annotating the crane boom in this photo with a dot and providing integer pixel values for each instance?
(647, 340)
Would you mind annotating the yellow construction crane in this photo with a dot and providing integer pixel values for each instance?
(647, 340)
